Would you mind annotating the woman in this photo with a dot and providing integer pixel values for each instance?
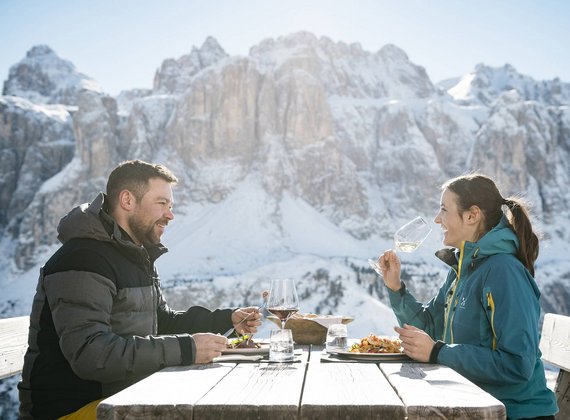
(483, 322)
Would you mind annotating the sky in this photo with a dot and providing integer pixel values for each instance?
(121, 43)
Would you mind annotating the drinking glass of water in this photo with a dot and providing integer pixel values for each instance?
(337, 339)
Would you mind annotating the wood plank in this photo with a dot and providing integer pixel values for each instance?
(436, 392)
(562, 391)
(348, 390)
(255, 391)
(13, 344)
(555, 340)
(168, 394)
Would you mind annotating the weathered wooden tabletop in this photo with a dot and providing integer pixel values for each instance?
(307, 389)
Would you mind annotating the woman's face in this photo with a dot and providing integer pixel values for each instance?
(454, 225)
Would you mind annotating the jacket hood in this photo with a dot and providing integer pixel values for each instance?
(499, 240)
(91, 221)
(83, 221)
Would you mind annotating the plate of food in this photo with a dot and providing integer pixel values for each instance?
(376, 348)
(246, 345)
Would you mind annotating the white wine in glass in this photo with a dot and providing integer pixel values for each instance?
(410, 236)
(407, 239)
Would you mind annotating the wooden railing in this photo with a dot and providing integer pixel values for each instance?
(555, 348)
(13, 344)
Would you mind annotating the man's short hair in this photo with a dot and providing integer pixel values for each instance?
(133, 175)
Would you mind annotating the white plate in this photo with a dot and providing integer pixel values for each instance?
(373, 356)
(264, 349)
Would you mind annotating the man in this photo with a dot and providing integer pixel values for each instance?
(99, 322)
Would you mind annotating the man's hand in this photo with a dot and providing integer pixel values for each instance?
(208, 346)
(416, 343)
(246, 320)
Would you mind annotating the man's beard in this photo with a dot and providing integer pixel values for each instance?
(145, 231)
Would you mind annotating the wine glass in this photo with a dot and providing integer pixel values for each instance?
(407, 239)
(283, 300)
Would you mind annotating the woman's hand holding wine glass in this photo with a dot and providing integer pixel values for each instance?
(406, 239)
(389, 265)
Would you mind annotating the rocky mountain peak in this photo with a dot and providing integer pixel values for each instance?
(175, 75)
(45, 78)
(211, 51)
(394, 53)
(485, 84)
(40, 50)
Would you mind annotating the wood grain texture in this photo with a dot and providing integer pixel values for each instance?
(562, 391)
(304, 390)
(255, 391)
(438, 392)
(555, 340)
(168, 394)
(13, 344)
(348, 390)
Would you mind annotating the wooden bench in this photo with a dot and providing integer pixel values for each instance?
(555, 348)
(13, 344)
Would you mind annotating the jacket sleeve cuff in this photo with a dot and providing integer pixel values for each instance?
(435, 351)
(401, 291)
(187, 349)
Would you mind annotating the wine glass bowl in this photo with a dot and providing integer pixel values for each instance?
(410, 236)
(407, 239)
(283, 299)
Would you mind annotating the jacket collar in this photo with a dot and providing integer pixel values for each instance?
(499, 240)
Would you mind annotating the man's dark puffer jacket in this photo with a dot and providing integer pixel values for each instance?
(99, 322)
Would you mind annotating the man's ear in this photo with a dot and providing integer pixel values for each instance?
(127, 200)
(473, 215)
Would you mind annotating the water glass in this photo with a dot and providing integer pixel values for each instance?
(281, 346)
(337, 339)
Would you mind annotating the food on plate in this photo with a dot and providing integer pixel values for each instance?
(243, 342)
(376, 344)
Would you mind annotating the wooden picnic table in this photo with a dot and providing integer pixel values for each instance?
(315, 386)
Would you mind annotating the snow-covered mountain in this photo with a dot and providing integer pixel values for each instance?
(44, 78)
(300, 159)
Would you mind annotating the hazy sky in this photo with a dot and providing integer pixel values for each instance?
(121, 43)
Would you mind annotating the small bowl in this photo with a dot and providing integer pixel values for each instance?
(305, 330)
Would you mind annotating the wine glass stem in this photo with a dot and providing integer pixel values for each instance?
(283, 324)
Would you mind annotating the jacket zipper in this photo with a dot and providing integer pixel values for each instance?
(154, 290)
(451, 311)
(491, 306)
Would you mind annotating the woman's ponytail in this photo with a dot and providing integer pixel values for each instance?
(528, 241)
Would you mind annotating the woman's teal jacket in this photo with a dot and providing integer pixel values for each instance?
(487, 313)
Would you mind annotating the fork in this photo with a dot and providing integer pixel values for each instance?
(259, 309)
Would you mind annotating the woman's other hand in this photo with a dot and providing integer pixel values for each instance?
(417, 343)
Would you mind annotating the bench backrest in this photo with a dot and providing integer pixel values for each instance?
(555, 348)
(555, 340)
(13, 344)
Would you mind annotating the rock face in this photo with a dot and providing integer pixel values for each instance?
(363, 139)
(36, 142)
